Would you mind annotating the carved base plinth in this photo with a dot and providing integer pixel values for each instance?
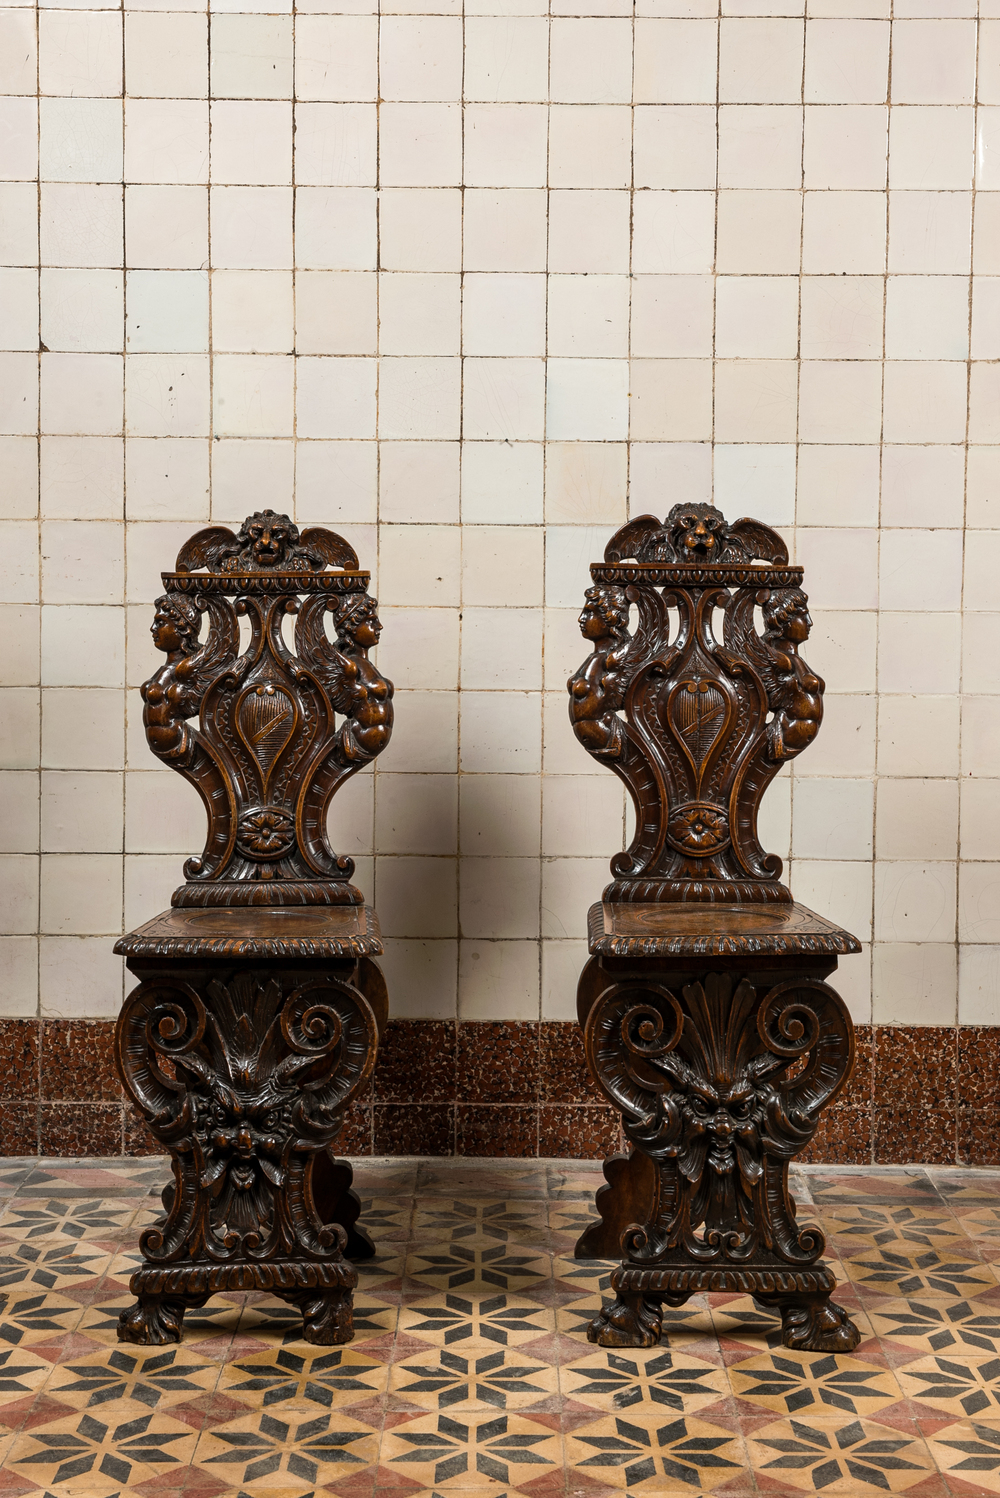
(810, 1320)
(720, 1069)
(243, 1071)
(323, 1292)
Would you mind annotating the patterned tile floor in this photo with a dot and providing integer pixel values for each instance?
(471, 1370)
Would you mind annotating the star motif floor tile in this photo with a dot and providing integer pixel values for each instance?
(477, 1376)
(965, 1388)
(930, 1275)
(311, 1448)
(305, 1378)
(850, 1457)
(470, 1449)
(659, 1378)
(453, 1318)
(969, 1451)
(110, 1453)
(956, 1328)
(641, 1451)
(471, 1371)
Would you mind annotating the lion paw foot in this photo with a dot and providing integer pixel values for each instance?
(825, 1327)
(151, 1322)
(630, 1321)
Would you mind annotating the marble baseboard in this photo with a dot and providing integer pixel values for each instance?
(922, 1094)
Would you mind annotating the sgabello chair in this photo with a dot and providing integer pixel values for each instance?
(260, 1004)
(707, 1018)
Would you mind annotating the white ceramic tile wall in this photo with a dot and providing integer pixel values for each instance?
(473, 288)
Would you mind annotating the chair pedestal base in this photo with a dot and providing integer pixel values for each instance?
(243, 1068)
(720, 1066)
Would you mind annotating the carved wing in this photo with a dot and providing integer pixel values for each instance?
(219, 651)
(743, 640)
(315, 651)
(204, 549)
(751, 539)
(332, 549)
(637, 538)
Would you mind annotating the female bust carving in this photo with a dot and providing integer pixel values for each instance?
(364, 695)
(597, 690)
(796, 692)
(166, 696)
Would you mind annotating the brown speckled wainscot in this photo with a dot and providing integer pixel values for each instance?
(575, 1120)
(253, 1034)
(707, 1019)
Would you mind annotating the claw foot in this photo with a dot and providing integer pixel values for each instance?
(817, 1326)
(630, 1321)
(327, 1316)
(152, 1321)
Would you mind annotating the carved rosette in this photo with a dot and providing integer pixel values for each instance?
(691, 705)
(280, 727)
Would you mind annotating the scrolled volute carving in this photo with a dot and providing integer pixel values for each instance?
(244, 1092)
(268, 752)
(710, 1087)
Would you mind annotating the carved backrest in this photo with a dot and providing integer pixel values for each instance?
(279, 730)
(692, 704)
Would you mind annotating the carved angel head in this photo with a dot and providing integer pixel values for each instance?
(357, 623)
(605, 613)
(786, 616)
(176, 624)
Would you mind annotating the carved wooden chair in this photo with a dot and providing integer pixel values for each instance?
(259, 1005)
(707, 1018)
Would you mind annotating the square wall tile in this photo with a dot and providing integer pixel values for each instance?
(474, 290)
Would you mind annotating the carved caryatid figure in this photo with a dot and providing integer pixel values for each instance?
(257, 1018)
(794, 693)
(598, 689)
(706, 1018)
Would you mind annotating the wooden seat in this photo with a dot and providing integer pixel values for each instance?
(707, 1019)
(260, 1003)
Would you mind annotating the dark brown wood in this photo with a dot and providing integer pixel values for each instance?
(706, 1015)
(259, 1007)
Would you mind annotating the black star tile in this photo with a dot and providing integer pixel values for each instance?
(317, 1450)
(443, 1379)
(793, 1382)
(324, 1379)
(684, 1450)
(505, 1449)
(626, 1379)
(122, 1373)
(858, 1455)
(491, 1318)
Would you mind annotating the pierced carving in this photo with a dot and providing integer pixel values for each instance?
(707, 1087)
(697, 726)
(706, 1020)
(258, 1012)
(267, 755)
